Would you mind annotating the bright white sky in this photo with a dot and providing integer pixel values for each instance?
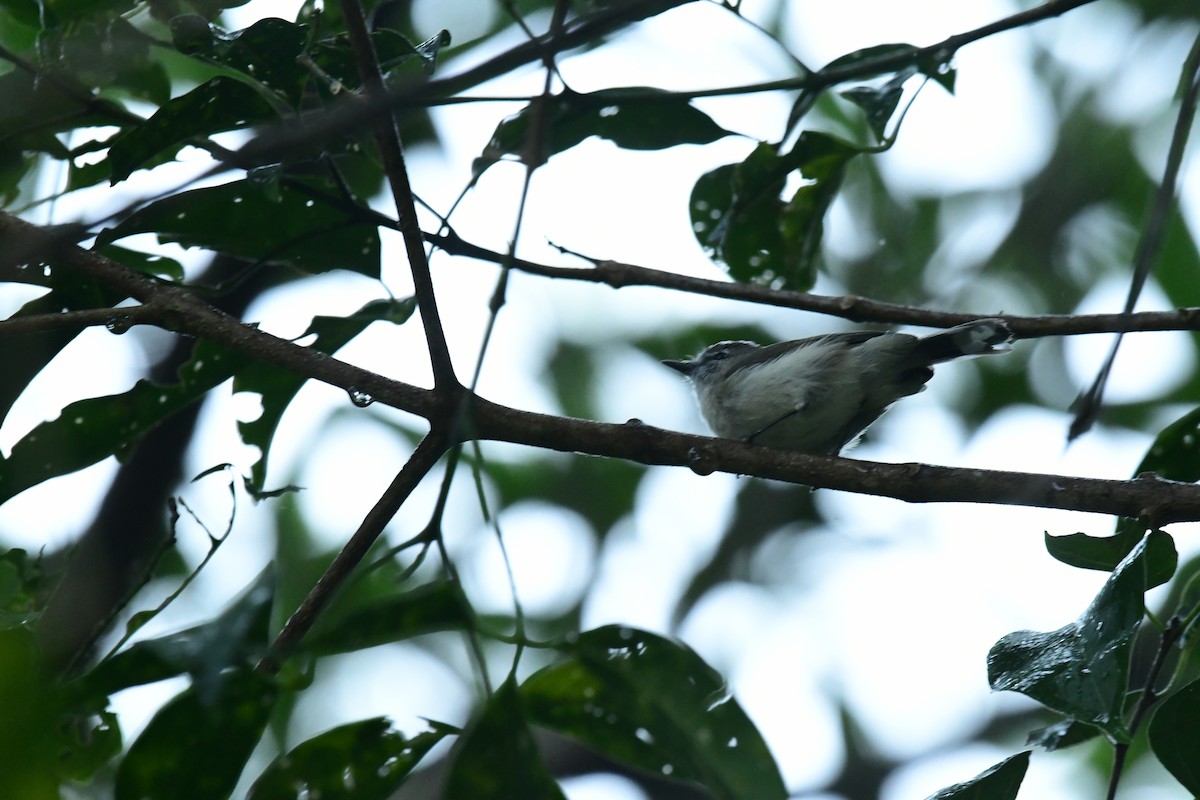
(897, 606)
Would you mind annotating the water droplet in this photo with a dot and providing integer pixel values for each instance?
(118, 323)
(359, 397)
(644, 735)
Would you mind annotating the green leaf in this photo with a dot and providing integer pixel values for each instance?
(157, 265)
(23, 588)
(197, 745)
(103, 53)
(1064, 733)
(364, 760)
(246, 220)
(277, 387)
(400, 60)
(29, 756)
(1174, 456)
(238, 637)
(940, 70)
(497, 757)
(634, 118)
(90, 430)
(435, 607)
(998, 782)
(1105, 552)
(1082, 669)
(221, 104)
(1175, 735)
(857, 58)
(265, 53)
(879, 102)
(654, 704)
(739, 218)
(91, 742)
(26, 356)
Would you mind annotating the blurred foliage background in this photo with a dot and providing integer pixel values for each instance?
(1012, 176)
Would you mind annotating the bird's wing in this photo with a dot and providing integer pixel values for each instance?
(778, 349)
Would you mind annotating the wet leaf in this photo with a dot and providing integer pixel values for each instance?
(654, 704)
(365, 760)
(998, 782)
(1082, 669)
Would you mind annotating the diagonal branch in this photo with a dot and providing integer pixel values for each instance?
(423, 459)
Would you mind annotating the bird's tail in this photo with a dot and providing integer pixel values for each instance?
(980, 337)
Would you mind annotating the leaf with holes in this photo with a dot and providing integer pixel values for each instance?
(739, 217)
(634, 118)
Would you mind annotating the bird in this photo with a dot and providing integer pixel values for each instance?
(818, 395)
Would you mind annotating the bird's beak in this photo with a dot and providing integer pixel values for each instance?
(686, 367)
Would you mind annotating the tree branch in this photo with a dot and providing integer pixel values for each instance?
(852, 307)
(1159, 501)
(1148, 496)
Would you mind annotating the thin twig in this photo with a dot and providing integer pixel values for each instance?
(852, 307)
(1087, 406)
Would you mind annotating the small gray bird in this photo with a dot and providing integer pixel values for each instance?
(817, 395)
